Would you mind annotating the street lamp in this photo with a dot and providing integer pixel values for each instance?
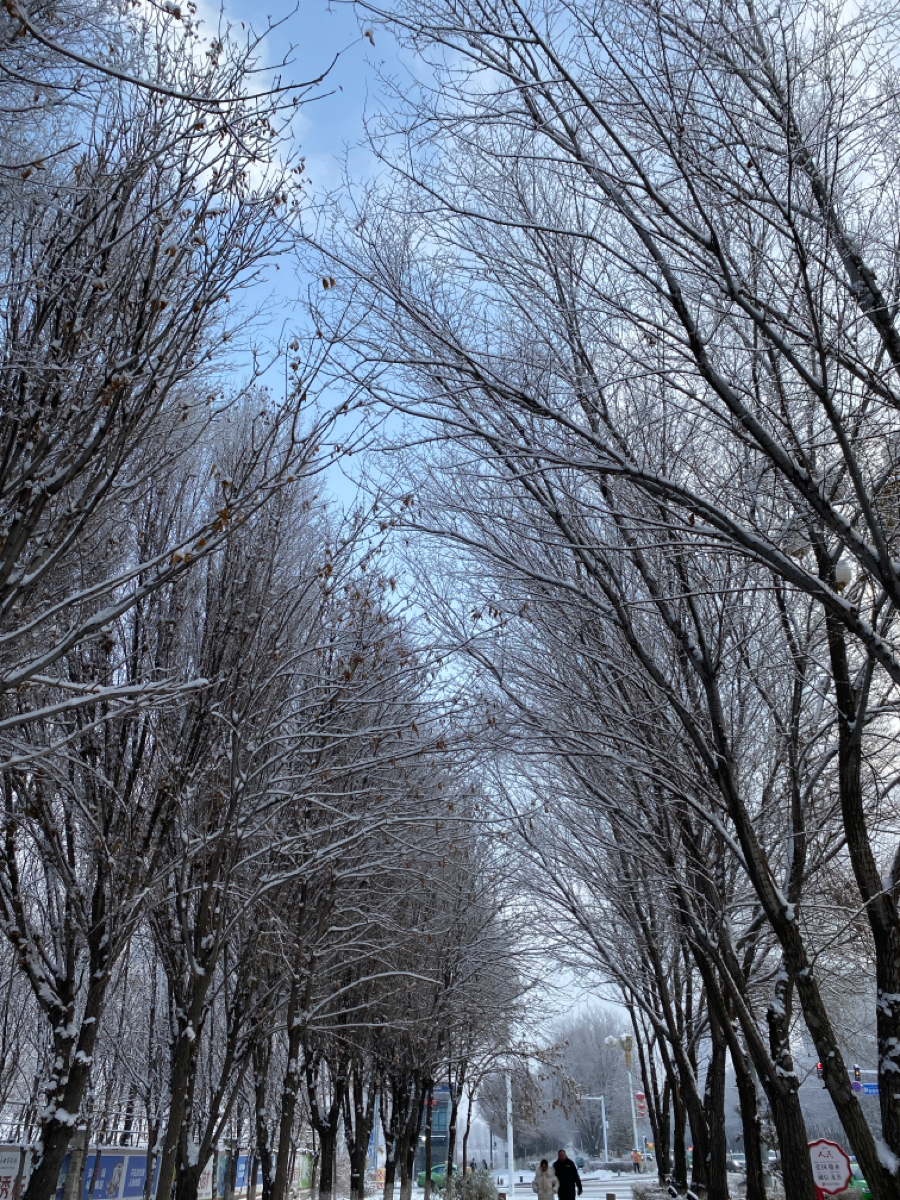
(626, 1043)
(603, 1121)
(509, 1136)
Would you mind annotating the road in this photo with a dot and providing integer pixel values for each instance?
(619, 1186)
(594, 1189)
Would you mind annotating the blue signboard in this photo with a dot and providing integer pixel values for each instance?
(241, 1177)
(136, 1173)
(221, 1174)
(105, 1181)
(61, 1180)
(870, 1089)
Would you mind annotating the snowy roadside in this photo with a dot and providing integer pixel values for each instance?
(736, 1189)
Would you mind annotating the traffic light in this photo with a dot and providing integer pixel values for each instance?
(819, 1071)
(856, 1072)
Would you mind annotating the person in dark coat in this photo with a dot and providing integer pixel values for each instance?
(567, 1174)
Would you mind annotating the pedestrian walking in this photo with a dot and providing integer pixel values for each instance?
(545, 1185)
(567, 1176)
(636, 1161)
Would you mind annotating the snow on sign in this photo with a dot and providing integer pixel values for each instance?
(830, 1167)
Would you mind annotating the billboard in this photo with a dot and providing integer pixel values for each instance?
(136, 1173)
(11, 1186)
(103, 1175)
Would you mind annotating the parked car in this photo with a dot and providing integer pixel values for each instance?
(438, 1172)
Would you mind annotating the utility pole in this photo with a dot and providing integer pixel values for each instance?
(625, 1044)
(376, 1132)
(634, 1129)
(509, 1136)
(603, 1120)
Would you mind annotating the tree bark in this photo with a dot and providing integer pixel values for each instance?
(359, 1115)
(714, 1106)
(390, 1127)
(465, 1144)
(679, 1170)
(289, 1089)
(881, 911)
(455, 1097)
(327, 1144)
(750, 1126)
(71, 1079)
(663, 1135)
(429, 1095)
(390, 1170)
(261, 1054)
(410, 1137)
(181, 1083)
(325, 1122)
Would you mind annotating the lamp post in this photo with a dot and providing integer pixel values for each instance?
(603, 1122)
(626, 1043)
(509, 1135)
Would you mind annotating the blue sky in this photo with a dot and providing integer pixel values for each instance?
(318, 31)
(329, 131)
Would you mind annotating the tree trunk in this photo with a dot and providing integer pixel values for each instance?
(390, 1170)
(390, 1127)
(679, 1171)
(409, 1134)
(327, 1145)
(699, 1138)
(657, 1111)
(187, 1181)
(714, 1106)
(64, 1102)
(289, 1090)
(358, 1170)
(261, 1054)
(775, 1065)
(750, 1126)
(407, 1166)
(662, 1135)
(152, 1156)
(465, 1145)
(359, 1116)
(428, 1115)
(180, 1086)
(231, 1173)
(455, 1097)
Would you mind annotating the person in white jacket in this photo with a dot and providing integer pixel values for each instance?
(545, 1185)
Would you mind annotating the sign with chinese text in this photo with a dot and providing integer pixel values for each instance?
(102, 1177)
(9, 1174)
(136, 1173)
(830, 1167)
(204, 1186)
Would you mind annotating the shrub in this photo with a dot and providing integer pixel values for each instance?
(477, 1185)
